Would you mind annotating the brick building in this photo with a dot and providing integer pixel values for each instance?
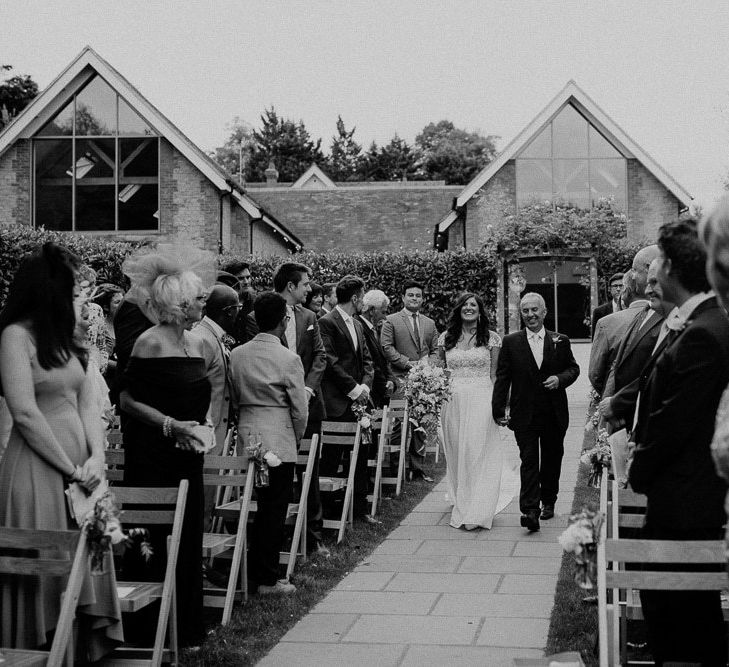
(92, 155)
(357, 215)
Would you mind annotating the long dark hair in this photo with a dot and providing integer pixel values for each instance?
(42, 293)
(454, 328)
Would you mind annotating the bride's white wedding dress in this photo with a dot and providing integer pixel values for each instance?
(480, 484)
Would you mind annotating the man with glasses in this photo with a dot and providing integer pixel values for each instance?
(612, 306)
(238, 276)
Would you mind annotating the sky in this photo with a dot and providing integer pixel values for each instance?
(658, 68)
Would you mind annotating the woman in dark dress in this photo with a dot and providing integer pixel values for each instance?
(165, 394)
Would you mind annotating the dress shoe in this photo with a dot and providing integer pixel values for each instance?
(368, 518)
(547, 512)
(281, 587)
(530, 521)
(322, 551)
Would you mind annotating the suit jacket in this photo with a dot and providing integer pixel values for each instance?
(382, 372)
(268, 385)
(680, 394)
(629, 362)
(346, 367)
(311, 350)
(398, 340)
(518, 372)
(216, 364)
(129, 324)
(608, 336)
(599, 313)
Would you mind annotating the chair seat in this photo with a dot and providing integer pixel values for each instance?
(143, 593)
(133, 656)
(231, 510)
(216, 543)
(19, 658)
(329, 484)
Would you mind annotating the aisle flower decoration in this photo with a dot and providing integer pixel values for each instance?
(599, 457)
(581, 538)
(427, 387)
(364, 418)
(103, 529)
(263, 459)
(593, 414)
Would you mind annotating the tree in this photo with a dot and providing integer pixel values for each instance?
(393, 162)
(451, 154)
(16, 93)
(239, 144)
(345, 158)
(286, 143)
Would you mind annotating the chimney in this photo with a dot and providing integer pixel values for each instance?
(271, 174)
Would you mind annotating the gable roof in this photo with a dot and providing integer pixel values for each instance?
(570, 94)
(78, 73)
(308, 180)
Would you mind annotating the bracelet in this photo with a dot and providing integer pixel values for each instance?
(167, 427)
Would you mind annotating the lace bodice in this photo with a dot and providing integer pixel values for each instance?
(720, 442)
(472, 365)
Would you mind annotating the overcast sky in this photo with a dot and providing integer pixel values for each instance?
(659, 69)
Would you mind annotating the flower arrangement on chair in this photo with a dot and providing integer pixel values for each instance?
(599, 457)
(581, 538)
(427, 387)
(364, 418)
(263, 459)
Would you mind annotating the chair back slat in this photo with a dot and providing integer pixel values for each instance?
(684, 581)
(158, 517)
(114, 457)
(148, 495)
(629, 498)
(631, 520)
(338, 427)
(115, 439)
(328, 439)
(665, 551)
(25, 538)
(233, 479)
(217, 462)
(42, 567)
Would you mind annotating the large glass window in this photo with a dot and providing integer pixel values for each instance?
(96, 166)
(570, 161)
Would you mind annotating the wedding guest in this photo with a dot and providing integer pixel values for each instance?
(314, 299)
(165, 395)
(56, 438)
(96, 328)
(534, 369)
(292, 281)
(329, 296)
(612, 306)
(374, 310)
(215, 334)
(408, 337)
(268, 381)
(347, 379)
(672, 462)
(243, 284)
(110, 298)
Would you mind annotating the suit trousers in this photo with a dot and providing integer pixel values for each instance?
(541, 447)
(267, 532)
(684, 626)
(331, 459)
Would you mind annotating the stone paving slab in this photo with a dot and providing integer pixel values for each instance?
(465, 548)
(513, 534)
(398, 547)
(431, 533)
(444, 583)
(365, 581)
(381, 602)
(517, 632)
(465, 656)
(396, 629)
(514, 521)
(320, 628)
(303, 654)
(538, 549)
(494, 605)
(413, 563)
(509, 565)
(424, 519)
(529, 584)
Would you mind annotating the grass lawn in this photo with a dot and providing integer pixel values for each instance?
(573, 624)
(259, 624)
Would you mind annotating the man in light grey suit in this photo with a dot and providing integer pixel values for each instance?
(215, 330)
(268, 382)
(407, 337)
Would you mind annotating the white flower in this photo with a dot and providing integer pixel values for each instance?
(272, 460)
(365, 422)
(114, 531)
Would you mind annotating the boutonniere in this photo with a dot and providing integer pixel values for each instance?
(676, 323)
(556, 339)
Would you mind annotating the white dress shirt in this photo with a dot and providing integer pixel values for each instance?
(536, 343)
(349, 322)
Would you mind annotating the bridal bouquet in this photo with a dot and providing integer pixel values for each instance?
(263, 459)
(581, 538)
(364, 418)
(103, 528)
(426, 389)
(599, 457)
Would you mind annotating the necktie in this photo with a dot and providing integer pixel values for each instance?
(416, 330)
(291, 329)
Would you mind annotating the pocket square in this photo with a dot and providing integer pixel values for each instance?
(310, 327)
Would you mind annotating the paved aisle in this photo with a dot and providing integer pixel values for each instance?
(434, 595)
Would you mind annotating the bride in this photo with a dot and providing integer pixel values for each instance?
(479, 485)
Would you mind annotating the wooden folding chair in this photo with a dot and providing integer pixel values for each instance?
(397, 412)
(380, 420)
(341, 434)
(137, 595)
(114, 464)
(54, 553)
(231, 473)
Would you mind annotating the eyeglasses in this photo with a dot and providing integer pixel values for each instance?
(235, 306)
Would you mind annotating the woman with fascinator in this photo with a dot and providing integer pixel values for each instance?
(56, 438)
(165, 394)
(479, 486)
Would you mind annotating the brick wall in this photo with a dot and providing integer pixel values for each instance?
(488, 205)
(650, 204)
(15, 178)
(360, 218)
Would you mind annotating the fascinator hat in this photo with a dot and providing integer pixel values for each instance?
(149, 267)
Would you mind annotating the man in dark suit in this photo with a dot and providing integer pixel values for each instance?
(237, 275)
(347, 379)
(535, 366)
(374, 311)
(329, 296)
(291, 281)
(672, 462)
(612, 306)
